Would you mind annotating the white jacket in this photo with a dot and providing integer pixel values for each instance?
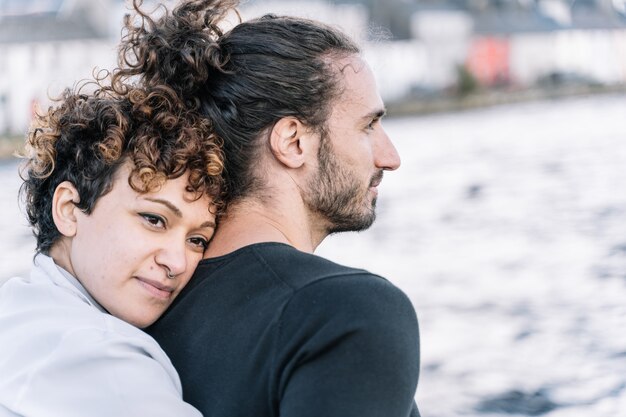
(62, 355)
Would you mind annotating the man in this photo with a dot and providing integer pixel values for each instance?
(266, 328)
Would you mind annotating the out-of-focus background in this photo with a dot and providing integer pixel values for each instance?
(505, 225)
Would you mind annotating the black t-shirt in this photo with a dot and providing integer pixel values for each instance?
(271, 331)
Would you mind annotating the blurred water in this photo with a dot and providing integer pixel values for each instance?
(17, 243)
(507, 229)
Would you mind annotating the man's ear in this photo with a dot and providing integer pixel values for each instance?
(289, 141)
(64, 208)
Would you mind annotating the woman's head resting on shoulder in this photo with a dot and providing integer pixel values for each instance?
(122, 192)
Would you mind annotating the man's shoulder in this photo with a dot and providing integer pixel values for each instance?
(287, 273)
(298, 269)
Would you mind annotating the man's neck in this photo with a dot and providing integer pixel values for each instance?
(251, 222)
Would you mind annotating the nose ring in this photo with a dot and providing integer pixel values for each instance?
(170, 275)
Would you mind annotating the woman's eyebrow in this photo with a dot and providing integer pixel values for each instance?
(177, 211)
(167, 204)
(212, 225)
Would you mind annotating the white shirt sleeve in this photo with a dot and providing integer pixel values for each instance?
(99, 373)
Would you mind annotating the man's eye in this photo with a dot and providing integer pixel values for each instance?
(372, 124)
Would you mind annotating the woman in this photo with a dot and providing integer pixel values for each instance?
(121, 189)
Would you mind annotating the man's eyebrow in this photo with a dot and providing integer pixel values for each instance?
(376, 114)
(167, 204)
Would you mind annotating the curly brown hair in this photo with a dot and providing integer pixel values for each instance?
(174, 48)
(86, 138)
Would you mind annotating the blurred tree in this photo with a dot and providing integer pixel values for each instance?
(466, 82)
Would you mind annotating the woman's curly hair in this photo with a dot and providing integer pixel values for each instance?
(177, 49)
(86, 138)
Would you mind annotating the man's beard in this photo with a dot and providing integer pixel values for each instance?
(335, 194)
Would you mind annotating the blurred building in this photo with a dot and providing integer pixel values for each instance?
(515, 42)
(416, 47)
(48, 45)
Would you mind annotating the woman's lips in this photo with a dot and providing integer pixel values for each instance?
(157, 289)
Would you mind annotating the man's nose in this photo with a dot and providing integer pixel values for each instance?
(386, 155)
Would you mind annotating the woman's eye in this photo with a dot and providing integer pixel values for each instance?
(199, 242)
(154, 220)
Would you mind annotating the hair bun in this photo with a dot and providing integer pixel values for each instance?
(178, 49)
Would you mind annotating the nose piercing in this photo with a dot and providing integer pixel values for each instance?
(170, 275)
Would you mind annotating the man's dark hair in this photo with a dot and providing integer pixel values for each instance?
(244, 80)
